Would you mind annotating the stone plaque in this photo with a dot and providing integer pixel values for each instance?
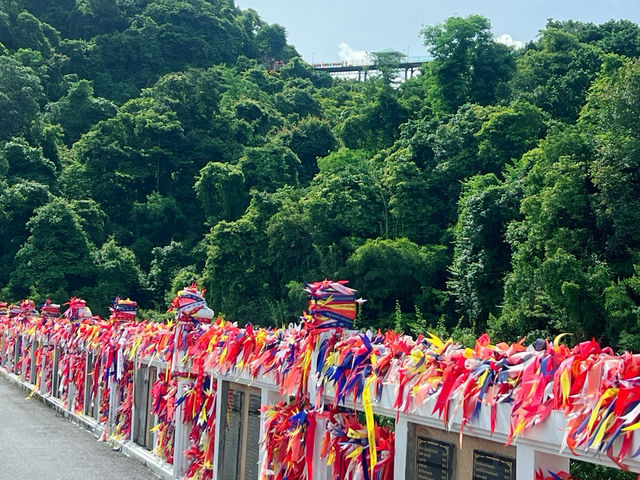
(488, 466)
(433, 459)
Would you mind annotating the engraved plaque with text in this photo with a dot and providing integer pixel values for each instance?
(488, 466)
(434, 459)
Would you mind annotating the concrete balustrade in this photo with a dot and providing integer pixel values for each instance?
(537, 448)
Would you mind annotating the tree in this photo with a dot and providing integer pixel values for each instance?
(79, 110)
(407, 189)
(130, 156)
(610, 119)
(622, 304)
(347, 203)
(455, 146)
(157, 222)
(222, 192)
(556, 75)
(235, 271)
(481, 256)
(117, 273)
(167, 261)
(467, 65)
(341, 159)
(374, 126)
(17, 205)
(20, 29)
(621, 37)
(20, 97)
(269, 167)
(291, 253)
(271, 40)
(398, 270)
(558, 277)
(309, 139)
(27, 163)
(56, 259)
(508, 133)
(298, 99)
(92, 219)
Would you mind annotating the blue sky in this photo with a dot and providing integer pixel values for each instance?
(332, 30)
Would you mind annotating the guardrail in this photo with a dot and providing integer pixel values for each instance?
(369, 62)
(201, 401)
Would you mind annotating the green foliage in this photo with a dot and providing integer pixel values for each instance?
(221, 191)
(56, 259)
(27, 163)
(269, 167)
(166, 263)
(158, 219)
(589, 471)
(272, 40)
(20, 97)
(468, 65)
(340, 159)
(621, 37)
(556, 74)
(481, 255)
(235, 271)
(556, 282)
(375, 125)
(92, 219)
(615, 170)
(309, 139)
(21, 29)
(117, 274)
(17, 205)
(622, 305)
(185, 276)
(147, 145)
(395, 272)
(78, 110)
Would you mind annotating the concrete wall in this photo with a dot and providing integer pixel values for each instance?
(462, 458)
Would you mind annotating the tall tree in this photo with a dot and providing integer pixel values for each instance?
(20, 96)
(558, 275)
(17, 205)
(222, 192)
(28, 163)
(481, 256)
(79, 110)
(391, 271)
(56, 259)
(555, 74)
(117, 273)
(468, 65)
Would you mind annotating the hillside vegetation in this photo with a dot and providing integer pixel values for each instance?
(145, 145)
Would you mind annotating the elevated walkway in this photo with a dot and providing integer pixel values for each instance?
(408, 65)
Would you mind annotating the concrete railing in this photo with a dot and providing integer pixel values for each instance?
(124, 405)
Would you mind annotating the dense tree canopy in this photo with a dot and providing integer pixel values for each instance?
(147, 144)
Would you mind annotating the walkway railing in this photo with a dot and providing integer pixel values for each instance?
(195, 400)
(370, 63)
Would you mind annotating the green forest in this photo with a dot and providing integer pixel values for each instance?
(145, 145)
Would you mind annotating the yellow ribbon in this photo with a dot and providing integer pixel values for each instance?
(368, 413)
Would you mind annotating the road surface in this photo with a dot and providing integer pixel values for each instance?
(38, 444)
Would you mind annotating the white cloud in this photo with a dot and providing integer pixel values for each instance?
(509, 41)
(348, 54)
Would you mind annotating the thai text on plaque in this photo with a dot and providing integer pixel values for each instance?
(433, 459)
(488, 466)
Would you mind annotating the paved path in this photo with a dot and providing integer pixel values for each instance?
(38, 444)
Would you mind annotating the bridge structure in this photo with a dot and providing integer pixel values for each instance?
(239, 403)
(407, 65)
